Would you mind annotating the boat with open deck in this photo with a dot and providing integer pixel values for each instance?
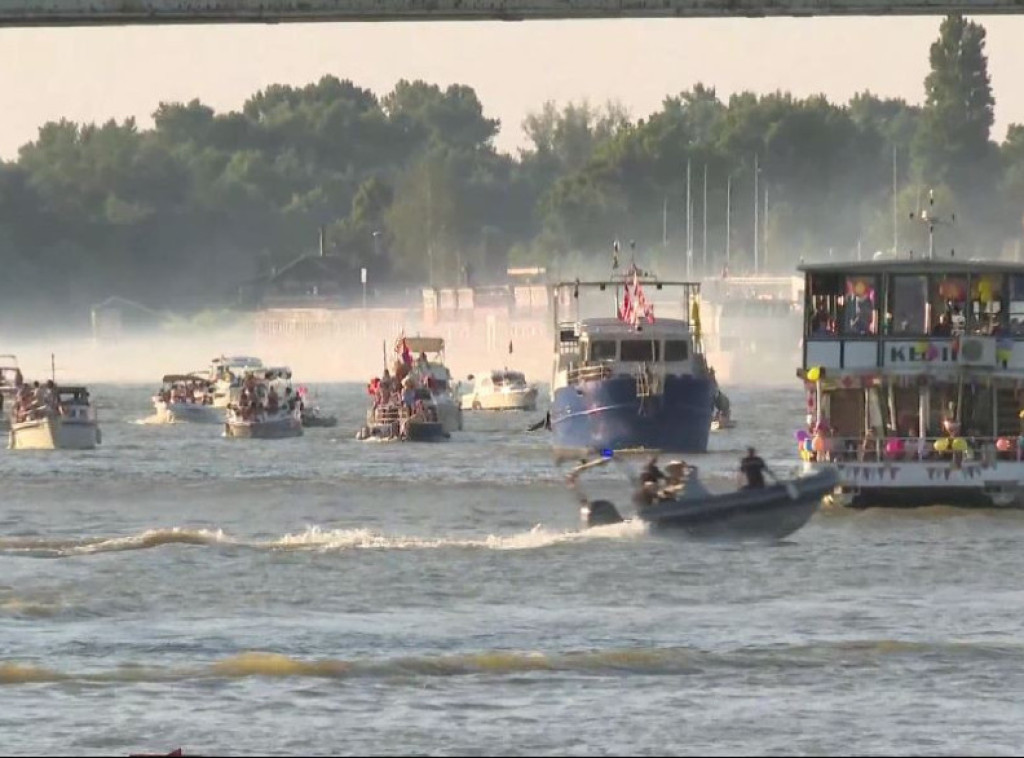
(630, 381)
(65, 421)
(914, 380)
(186, 398)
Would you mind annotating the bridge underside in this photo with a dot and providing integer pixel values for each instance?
(117, 12)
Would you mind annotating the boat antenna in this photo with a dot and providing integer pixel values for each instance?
(928, 216)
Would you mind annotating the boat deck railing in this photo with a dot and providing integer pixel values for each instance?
(389, 414)
(589, 373)
(910, 449)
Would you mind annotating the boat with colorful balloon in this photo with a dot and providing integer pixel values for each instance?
(630, 381)
(914, 377)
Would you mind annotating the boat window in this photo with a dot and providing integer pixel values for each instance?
(908, 296)
(825, 296)
(860, 306)
(949, 305)
(1016, 310)
(639, 351)
(677, 350)
(602, 350)
(987, 315)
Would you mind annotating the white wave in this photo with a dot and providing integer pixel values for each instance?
(537, 537)
(314, 538)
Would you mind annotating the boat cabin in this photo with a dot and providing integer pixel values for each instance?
(497, 380)
(234, 366)
(11, 378)
(913, 357)
(73, 403)
(427, 355)
(635, 342)
(189, 388)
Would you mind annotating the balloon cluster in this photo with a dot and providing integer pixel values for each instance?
(956, 444)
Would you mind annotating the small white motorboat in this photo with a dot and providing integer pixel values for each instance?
(500, 390)
(187, 398)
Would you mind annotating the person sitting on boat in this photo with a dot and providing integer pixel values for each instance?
(753, 467)
(650, 478)
(676, 478)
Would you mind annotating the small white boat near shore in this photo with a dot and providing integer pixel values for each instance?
(69, 424)
(500, 390)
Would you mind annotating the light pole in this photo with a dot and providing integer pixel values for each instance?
(376, 257)
(757, 200)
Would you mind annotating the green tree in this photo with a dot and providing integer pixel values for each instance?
(952, 143)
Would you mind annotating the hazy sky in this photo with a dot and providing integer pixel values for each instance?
(91, 74)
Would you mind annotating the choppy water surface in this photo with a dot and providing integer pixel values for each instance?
(322, 595)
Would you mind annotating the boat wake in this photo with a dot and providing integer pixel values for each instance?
(607, 661)
(313, 539)
(155, 419)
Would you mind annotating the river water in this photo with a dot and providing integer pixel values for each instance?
(322, 595)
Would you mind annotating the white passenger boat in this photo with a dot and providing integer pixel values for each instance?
(278, 425)
(913, 372)
(227, 374)
(67, 423)
(186, 398)
(267, 408)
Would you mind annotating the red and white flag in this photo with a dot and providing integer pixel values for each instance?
(626, 309)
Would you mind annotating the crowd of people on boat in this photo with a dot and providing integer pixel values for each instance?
(402, 397)
(38, 401)
(260, 400)
(186, 392)
(950, 321)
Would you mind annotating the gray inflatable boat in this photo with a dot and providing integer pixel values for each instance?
(768, 513)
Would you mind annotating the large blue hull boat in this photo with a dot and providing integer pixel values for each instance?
(609, 414)
(631, 381)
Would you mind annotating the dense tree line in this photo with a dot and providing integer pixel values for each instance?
(411, 186)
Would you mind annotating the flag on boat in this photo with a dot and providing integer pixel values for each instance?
(626, 309)
(405, 352)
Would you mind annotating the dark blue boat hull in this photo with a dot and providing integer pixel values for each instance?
(607, 414)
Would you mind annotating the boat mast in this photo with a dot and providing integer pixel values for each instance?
(927, 216)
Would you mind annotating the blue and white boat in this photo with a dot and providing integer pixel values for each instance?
(629, 381)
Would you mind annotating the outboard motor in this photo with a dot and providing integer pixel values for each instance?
(600, 513)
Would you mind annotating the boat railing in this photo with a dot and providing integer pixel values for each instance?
(589, 373)
(389, 414)
(870, 449)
